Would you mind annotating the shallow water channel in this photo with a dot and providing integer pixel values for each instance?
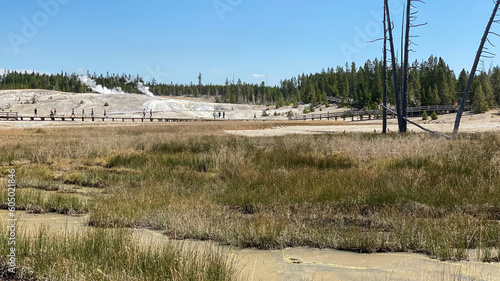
(298, 263)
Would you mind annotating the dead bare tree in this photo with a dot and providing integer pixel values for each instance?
(479, 54)
(390, 27)
(410, 18)
(384, 75)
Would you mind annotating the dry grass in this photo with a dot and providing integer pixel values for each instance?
(359, 192)
(104, 254)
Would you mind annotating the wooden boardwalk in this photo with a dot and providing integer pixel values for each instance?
(351, 114)
(14, 116)
(377, 114)
(8, 116)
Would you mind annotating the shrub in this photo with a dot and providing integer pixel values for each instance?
(106, 104)
(434, 115)
(264, 113)
(424, 115)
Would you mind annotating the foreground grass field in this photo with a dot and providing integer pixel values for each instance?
(357, 192)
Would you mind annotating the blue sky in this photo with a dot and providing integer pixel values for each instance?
(174, 40)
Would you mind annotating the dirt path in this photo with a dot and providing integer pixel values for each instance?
(301, 263)
(487, 122)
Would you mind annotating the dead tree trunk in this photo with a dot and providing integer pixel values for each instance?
(384, 74)
(404, 92)
(474, 68)
(393, 62)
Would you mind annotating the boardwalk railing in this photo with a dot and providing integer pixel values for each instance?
(376, 114)
(8, 115)
(105, 119)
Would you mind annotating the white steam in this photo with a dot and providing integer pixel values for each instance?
(89, 82)
(140, 86)
(144, 89)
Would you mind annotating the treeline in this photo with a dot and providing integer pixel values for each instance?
(13, 80)
(430, 82)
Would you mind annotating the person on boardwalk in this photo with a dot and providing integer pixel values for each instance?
(35, 111)
(255, 116)
(72, 112)
(92, 112)
(151, 113)
(51, 113)
(105, 113)
(83, 112)
(224, 115)
(143, 113)
(55, 111)
(219, 114)
(215, 114)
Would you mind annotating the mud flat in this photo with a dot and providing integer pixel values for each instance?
(298, 263)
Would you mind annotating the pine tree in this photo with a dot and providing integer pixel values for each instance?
(495, 83)
(488, 90)
(424, 115)
(479, 104)
(461, 84)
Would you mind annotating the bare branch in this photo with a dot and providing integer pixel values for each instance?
(488, 40)
(418, 25)
(376, 40)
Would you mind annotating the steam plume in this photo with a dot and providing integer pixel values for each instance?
(89, 82)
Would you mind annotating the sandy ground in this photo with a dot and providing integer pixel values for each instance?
(470, 122)
(292, 264)
(132, 105)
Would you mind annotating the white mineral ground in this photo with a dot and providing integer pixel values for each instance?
(132, 105)
(294, 263)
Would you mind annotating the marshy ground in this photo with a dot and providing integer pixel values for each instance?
(361, 192)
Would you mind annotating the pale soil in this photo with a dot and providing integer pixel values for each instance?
(127, 105)
(132, 105)
(486, 122)
(296, 263)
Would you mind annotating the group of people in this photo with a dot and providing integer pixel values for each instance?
(223, 115)
(54, 112)
(144, 113)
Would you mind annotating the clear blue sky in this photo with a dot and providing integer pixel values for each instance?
(174, 40)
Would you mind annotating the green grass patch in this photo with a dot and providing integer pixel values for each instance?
(101, 254)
